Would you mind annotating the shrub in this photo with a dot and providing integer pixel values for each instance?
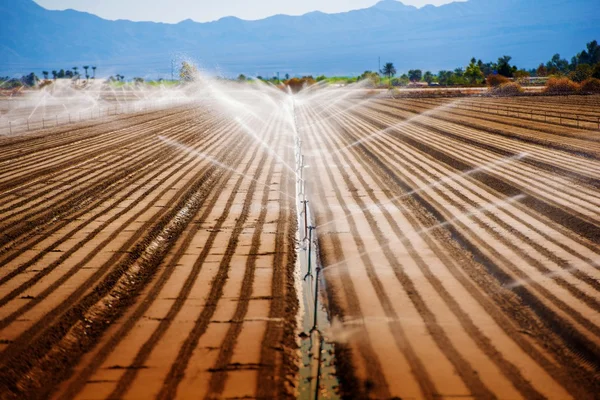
(508, 89)
(496, 80)
(596, 71)
(44, 83)
(560, 86)
(297, 84)
(591, 85)
(581, 73)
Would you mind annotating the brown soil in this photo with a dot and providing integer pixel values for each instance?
(451, 281)
(131, 268)
(460, 240)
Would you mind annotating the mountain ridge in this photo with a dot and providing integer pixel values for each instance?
(443, 37)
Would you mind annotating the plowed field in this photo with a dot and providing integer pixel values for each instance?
(133, 266)
(153, 255)
(460, 247)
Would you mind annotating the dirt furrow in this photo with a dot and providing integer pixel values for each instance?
(150, 297)
(56, 334)
(78, 154)
(123, 181)
(575, 146)
(581, 168)
(176, 372)
(575, 335)
(354, 139)
(399, 265)
(57, 281)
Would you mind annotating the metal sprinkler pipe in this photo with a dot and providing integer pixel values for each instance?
(309, 273)
(318, 269)
(305, 202)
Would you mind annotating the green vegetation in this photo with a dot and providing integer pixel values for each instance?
(582, 67)
(389, 70)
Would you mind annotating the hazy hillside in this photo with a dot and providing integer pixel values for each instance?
(346, 43)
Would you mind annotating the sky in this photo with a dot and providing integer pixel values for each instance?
(173, 11)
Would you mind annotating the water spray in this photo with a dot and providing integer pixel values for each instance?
(486, 167)
(485, 207)
(214, 161)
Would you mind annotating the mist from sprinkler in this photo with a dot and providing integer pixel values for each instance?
(66, 97)
(469, 214)
(398, 125)
(486, 167)
(265, 145)
(215, 162)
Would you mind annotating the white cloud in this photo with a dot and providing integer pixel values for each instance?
(210, 10)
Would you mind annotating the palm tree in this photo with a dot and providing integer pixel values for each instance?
(86, 67)
(45, 73)
(389, 70)
(54, 74)
(94, 71)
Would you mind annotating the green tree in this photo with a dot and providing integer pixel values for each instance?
(557, 65)
(415, 75)
(389, 70)
(30, 80)
(86, 67)
(54, 74)
(372, 77)
(596, 71)
(45, 73)
(242, 78)
(458, 77)
(487, 68)
(428, 77)
(444, 77)
(94, 72)
(61, 74)
(504, 67)
(473, 73)
(581, 73)
(589, 56)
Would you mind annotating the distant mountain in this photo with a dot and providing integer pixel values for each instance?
(430, 38)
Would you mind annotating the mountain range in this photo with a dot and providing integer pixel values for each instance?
(429, 38)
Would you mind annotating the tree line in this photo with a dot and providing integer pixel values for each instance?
(584, 65)
(32, 79)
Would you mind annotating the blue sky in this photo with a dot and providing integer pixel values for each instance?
(210, 10)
